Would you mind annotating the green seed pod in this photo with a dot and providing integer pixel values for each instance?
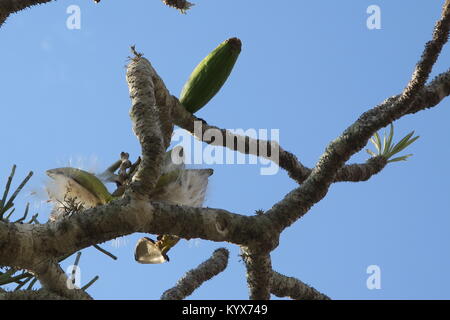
(210, 75)
(81, 184)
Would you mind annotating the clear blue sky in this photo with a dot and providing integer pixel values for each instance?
(307, 68)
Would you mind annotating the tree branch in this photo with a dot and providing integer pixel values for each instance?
(286, 160)
(428, 59)
(361, 172)
(243, 144)
(196, 277)
(125, 216)
(148, 120)
(247, 145)
(259, 272)
(283, 286)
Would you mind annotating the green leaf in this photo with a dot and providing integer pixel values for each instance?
(402, 158)
(407, 143)
(402, 144)
(384, 143)
(377, 142)
(373, 142)
(391, 136)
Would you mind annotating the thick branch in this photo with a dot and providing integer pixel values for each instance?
(259, 273)
(148, 120)
(283, 286)
(22, 245)
(196, 277)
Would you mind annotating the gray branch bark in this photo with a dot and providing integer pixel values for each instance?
(259, 272)
(147, 118)
(283, 286)
(196, 277)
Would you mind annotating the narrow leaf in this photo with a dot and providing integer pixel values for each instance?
(389, 140)
(402, 158)
(377, 142)
(403, 143)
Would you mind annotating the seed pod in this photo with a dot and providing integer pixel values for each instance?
(80, 184)
(149, 251)
(210, 75)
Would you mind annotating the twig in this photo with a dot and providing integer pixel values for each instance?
(75, 267)
(30, 286)
(109, 254)
(25, 214)
(90, 283)
(22, 283)
(9, 204)
(8, 185)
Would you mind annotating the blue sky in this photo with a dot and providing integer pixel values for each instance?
(307, 68)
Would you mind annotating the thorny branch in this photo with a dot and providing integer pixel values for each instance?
(196, 277)
(283, 286)
(259, 272)
(154, 111)
(150, 124)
